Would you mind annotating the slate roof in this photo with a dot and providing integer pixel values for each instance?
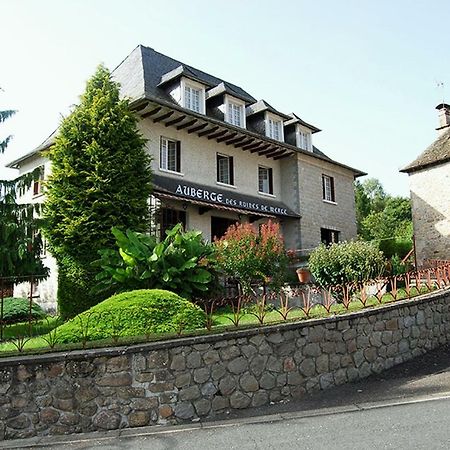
(226, 88)
(262, 105)
(295, 119)
(437, 153)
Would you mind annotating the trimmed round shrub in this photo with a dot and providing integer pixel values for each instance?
(18, 310)
(133, 313)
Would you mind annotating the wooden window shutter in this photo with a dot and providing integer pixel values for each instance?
(333, 197)
(270, 181)
(178, 156)
(231, 167)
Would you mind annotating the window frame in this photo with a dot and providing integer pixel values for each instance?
(328, 189)
(38, 188)
(231, 101)
(302, 134)
(274, 119)
(270, 180)
(186, 83)
(230, 169)
(177, 155)
(332, 236)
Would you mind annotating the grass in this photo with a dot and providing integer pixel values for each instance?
(222, 320)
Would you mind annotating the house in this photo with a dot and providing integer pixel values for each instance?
(429, 179)
(220, 157)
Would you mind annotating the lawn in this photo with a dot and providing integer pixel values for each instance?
(224, 319)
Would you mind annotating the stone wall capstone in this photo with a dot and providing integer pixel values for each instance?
(205, 376)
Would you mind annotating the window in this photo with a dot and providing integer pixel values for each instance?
(275, 130)
(170, 155)
(328, 188)
(37, 184)
(304, 140)
(235, 114)
(329, 237)
(170, 218)
(225, 169)
(192, 98)
(265, 180)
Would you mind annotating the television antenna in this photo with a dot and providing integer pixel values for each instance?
(441, 85)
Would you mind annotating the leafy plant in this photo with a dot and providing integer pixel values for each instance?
(100, 178)
(182, 263)
(17, 310)
(250, 256)
(140, 312)
(346, 262)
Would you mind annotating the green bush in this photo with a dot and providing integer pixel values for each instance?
(18, 310)
(395, 247)
(346, 262)
(133, 313)
(181, 263)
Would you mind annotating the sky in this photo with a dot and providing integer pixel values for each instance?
(365, 72)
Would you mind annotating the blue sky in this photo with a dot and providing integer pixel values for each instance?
(363, 71)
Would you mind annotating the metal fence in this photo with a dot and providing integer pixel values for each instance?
(297, 302)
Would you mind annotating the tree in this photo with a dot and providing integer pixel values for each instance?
(20, 240)
(380, 215)
(251, 256)
(100, 178)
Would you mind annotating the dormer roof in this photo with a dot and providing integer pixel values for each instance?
(178, 72)
(295, 119)
(226, 88)
(262, 106)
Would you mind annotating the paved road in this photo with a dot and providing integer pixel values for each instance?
(407, 407)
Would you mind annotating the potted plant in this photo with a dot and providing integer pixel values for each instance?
(304, 275)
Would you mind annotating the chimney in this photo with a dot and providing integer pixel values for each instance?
(444, 117)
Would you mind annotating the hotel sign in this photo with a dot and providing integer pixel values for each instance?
(220, 197)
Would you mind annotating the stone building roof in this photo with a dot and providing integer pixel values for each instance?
(437, 153)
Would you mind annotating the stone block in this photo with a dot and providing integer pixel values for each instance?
(138, 418)
(248, 383)
(184, 410)
(239, 400)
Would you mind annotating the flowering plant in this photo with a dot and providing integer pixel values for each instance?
(250, 256)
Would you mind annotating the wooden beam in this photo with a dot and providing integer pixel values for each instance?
(226, 138)
(164, 116)
(206, 132)
(174, 121)
(197, 128)
(151, 113)
(142, 107)
(261, 147)
(218, 134)
(269, 150)
(281, 154)
(240, 140)
(186, 124)
(249, 147)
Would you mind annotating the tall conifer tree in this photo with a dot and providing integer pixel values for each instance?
(100, 178)
(20, 243)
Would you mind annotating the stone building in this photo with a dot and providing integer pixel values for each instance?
(221, 157)
(429, 178)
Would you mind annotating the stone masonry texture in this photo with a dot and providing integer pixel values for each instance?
(202, 377)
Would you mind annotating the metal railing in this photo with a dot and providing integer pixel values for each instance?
(290, 303)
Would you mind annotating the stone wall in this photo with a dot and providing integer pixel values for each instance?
(204, 376)
(430, 194)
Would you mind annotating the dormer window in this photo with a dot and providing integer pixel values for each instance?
(274, 128)
(234, 112)
(193, 96)
(304, 139)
